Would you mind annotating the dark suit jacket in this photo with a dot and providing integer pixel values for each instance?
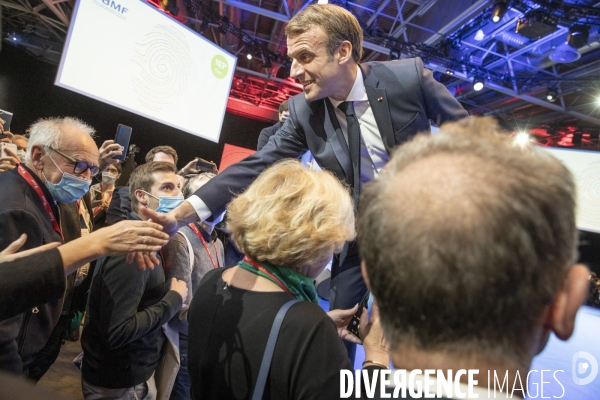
(266, 134)
(403, 97)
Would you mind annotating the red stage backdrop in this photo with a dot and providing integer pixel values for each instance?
(233, 154)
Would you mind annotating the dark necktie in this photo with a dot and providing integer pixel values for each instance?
(354, 145)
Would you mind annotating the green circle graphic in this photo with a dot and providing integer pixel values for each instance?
(219, 66)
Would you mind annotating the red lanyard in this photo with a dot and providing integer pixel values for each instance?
(259, 267)
(27, 176)
(197, 232)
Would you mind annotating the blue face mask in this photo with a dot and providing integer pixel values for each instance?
(166, 203)
(69, 189)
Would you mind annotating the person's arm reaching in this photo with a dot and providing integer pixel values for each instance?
(35, 276)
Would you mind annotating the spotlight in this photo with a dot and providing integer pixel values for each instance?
(522, 138)
(598, 101)
(249, 56)
(500, 8)
(394, 55)
(479, 36)
(551, 95)
(449, 72)
(477, 84)
(578, 35)
(14, 38)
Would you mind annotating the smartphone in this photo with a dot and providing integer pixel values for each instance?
(7, 117)
(123, 136)
(11, 146)
(204, 166)
(355, 322)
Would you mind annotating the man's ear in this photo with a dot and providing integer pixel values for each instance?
(566, 302)
(141, 197)
(345, 52)
(37, 152)
(363, 271)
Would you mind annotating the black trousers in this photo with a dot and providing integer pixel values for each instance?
(347, 285)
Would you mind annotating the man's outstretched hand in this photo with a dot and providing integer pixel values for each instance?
(168, 221)
(171, 222)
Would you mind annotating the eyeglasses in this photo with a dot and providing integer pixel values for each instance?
(79, 166)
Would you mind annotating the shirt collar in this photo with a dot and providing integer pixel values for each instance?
(357, 93)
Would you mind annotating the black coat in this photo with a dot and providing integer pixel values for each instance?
(22, 211)
(403, 96)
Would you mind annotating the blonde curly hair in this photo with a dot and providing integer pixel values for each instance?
(292, 216)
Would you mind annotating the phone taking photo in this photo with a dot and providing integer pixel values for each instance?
(204, 166)
(355, 322)
(7, 117)
(122, 137)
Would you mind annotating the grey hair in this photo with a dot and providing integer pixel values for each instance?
(187, 189)
(48, 132)
(466, 238)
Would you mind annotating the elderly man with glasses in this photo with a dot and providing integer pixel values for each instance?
(61, 159)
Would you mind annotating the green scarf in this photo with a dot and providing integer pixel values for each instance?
(302, 287)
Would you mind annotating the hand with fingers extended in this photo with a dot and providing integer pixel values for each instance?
(129, 237)
(170, 222)
(10, 161)
(10, 253)
(106, 152)
(180, 287)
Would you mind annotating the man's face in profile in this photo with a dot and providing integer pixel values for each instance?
(317, 71)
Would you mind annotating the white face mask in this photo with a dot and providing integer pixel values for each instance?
(109, 177)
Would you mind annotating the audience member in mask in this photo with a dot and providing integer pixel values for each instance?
(188, 256)
(120, 204)
(266, 133)
(61, 160)
(102, 193)
(122, 338)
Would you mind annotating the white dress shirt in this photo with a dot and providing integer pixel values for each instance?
(373, 153)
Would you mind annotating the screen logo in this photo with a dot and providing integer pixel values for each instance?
(219, 66)
(114, 7)
(585, 368)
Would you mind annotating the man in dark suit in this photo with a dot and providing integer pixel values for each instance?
(267, 132)
(386, 104)
(481, 270)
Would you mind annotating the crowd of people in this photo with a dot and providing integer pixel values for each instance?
(466, 242)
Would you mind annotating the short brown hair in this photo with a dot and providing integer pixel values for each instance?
(466, 239)
(337, 23)
(292, 216)
(283, 106)
(161, 149)
(141, 179)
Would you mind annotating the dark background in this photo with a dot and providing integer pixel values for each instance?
(27, 90)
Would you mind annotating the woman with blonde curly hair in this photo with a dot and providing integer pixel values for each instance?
(288, 223)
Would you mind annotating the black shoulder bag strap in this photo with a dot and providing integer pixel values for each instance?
(265, 365)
